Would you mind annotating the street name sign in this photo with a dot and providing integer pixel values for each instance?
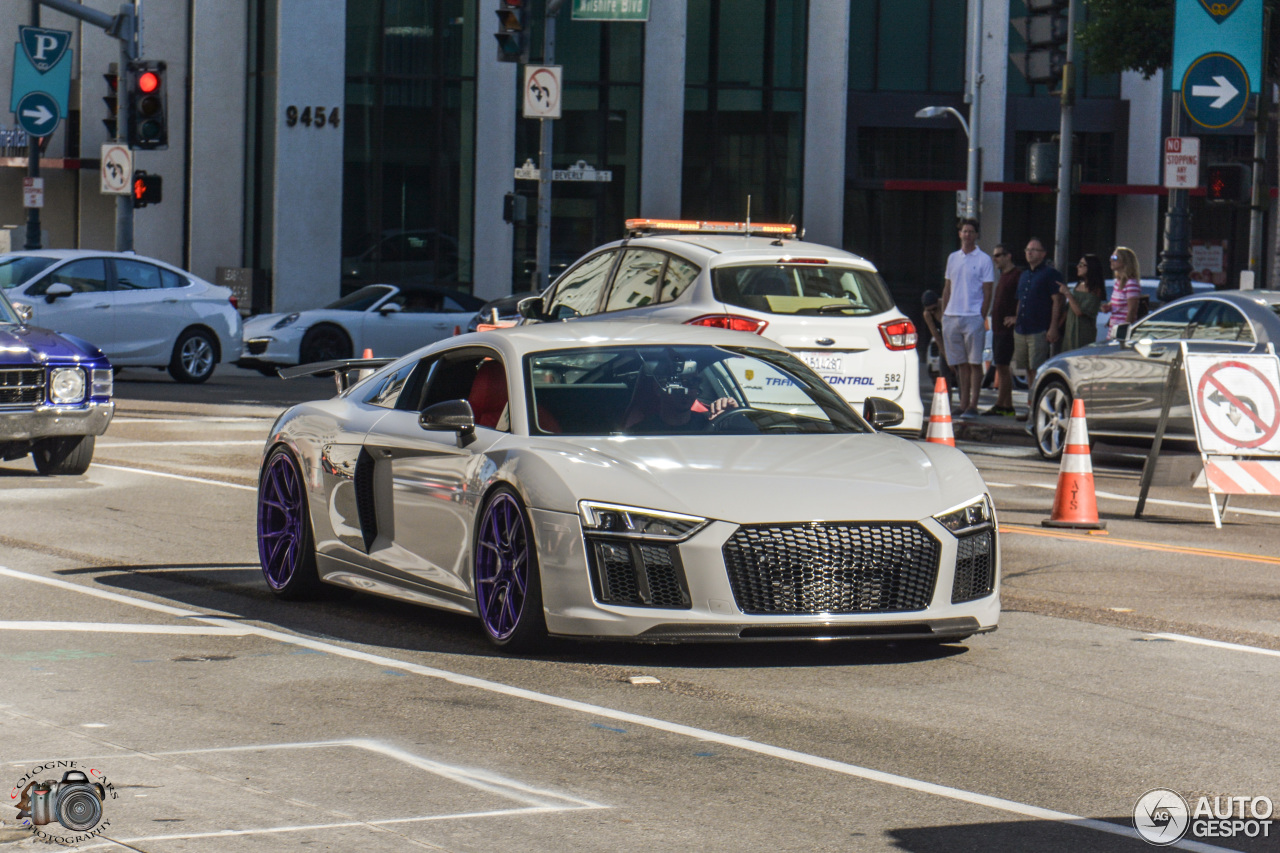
(1181, 162)
(1217, 58)
(580, 171)
(610, 10)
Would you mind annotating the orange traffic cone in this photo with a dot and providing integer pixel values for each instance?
(1075, 504)
(368, 352)
(457, 330)
(940, 431)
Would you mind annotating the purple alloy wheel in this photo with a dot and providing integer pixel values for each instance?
(502, 566)
(281, 521)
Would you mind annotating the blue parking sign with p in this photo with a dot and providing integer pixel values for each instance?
(42, 62)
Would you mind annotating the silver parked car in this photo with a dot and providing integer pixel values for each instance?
(656, 483)
(1122, 382)
(828, 306)
(141, 312)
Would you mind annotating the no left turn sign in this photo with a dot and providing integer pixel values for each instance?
(1236, 402)
(117, 169)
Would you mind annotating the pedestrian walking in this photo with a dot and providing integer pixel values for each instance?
(1037, 320)
(931, 304)
(1004, 305)
(1126, 292)
(1082, 303)
(966, 299)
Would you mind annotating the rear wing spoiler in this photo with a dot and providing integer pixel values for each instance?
(345, 371)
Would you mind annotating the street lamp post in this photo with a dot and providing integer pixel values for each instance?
(971, 176)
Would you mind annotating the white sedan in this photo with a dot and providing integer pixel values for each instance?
(387, 319)
(651, 482)
(139, 311)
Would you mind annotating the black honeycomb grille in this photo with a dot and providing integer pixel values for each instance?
(637, 575)
(975, 567)
(21, 386)
(832, 567)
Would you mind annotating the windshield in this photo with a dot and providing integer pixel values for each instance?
(680, 390)
(362, 299)
(16, 271)
(802, 289)
(8, 316)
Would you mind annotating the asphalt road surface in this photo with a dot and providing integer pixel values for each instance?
(138, 640)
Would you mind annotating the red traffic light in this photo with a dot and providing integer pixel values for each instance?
(148, 82)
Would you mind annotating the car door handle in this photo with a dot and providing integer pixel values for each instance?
(170, 301)
(103, 305)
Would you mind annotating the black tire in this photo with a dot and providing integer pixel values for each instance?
(286, 544)
(325, 342)
(195, 355)
(1049, 416)
(65, 455)
(504, 534)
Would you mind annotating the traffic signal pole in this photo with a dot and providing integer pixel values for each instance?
(123, 26)
(33, 240)
(545, 139)
(1066, 155)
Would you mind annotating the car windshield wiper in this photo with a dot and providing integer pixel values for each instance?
(834, 308)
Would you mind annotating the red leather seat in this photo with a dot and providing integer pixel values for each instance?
(488, 397)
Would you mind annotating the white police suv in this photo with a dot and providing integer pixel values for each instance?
(828, 306)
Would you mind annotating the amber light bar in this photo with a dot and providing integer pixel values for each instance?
(699, 227)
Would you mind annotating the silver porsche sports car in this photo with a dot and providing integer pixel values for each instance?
(652, 482)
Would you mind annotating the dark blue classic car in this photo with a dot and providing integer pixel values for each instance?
(55, 395)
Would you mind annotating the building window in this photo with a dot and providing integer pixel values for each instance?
(744, 108)
(409, 139)
(907, 45)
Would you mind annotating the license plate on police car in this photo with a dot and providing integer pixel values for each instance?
(822, 362)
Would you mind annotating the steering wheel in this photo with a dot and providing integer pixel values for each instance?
(736, 420)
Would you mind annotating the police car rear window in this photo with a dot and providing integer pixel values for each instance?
(802, 289)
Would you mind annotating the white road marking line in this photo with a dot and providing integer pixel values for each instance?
(111, 445)
(121, 628)
(745, 744)
(203, 480)
(1217, 644)
(1269, 513)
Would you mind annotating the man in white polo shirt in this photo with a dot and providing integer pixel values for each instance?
(966, 299)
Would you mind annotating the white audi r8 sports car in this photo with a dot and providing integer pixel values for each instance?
(653, 482)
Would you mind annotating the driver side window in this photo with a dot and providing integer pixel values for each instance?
(1169, 323)
(578, 292)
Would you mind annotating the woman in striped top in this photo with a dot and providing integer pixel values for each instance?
(1126, 293)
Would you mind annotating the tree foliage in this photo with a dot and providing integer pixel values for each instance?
(1137, 35)
(1128, 35)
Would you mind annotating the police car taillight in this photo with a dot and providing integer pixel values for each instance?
(694, 226)
(737, 323)
(898, 334)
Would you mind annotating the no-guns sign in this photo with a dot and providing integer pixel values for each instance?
(1235, 402)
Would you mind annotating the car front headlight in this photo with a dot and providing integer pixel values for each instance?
(967, 518)
(636, 522)
(66, 385)
(287, 320)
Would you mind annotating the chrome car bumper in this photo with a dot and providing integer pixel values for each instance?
(49, 421)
